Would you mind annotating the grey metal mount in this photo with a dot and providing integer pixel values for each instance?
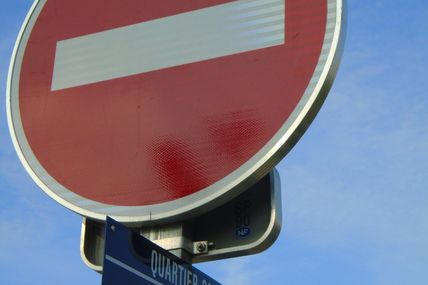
(198, 247)
(248, 224)
(176, 238)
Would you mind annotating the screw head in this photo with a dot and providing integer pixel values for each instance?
(201, 246)
(112, 228)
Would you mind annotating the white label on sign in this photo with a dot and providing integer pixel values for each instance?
(227, 29)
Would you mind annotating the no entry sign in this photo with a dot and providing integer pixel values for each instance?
(150, 110)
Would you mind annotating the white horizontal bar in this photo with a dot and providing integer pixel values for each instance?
(208, 33)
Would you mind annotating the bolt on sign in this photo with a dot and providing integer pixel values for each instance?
(151, 111)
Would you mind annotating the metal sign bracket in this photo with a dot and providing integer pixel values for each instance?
(248, 224)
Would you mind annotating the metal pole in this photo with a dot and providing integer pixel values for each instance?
(176, 238)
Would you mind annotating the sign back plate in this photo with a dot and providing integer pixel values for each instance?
(248, 224)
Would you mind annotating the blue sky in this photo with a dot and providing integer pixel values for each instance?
(355, 193)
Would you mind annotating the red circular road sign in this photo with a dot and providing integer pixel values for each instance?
(147, 111)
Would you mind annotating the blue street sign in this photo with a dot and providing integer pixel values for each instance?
(132, 259)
